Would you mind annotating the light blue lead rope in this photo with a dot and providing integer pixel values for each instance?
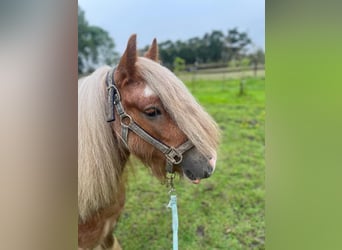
(173, 205)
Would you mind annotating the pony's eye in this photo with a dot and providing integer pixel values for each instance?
(152, 112)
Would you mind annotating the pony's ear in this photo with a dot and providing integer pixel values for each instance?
(152, 52)
(126, 65)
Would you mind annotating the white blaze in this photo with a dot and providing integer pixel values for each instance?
(148, 91)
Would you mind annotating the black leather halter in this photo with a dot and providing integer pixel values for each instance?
(173, 155)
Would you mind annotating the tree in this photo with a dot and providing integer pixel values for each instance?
(178, 65)
(235, 43)
(214, 46)
(167, 53)
(95, 46)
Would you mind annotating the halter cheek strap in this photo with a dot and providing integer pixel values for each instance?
(173, 155)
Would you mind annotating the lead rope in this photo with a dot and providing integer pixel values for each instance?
(173, 205)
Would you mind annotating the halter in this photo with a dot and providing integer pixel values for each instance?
(173, 155)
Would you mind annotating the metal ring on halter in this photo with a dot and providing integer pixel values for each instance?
(126, 120)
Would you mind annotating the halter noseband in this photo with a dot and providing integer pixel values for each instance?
(173, 155)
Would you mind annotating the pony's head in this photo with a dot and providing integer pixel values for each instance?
(159, 103)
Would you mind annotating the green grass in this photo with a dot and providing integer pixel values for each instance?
(225, 211)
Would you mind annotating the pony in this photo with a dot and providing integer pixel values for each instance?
(138, 108)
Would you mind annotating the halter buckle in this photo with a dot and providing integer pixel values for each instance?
(173, 156)
(116, 98)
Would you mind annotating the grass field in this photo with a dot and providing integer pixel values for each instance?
(225, 211)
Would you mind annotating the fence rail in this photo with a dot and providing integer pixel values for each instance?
(220, 74)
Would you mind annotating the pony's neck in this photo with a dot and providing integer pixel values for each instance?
(123, 152)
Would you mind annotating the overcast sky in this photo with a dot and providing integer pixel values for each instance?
(176, 19)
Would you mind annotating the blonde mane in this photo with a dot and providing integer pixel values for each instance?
(100, 163)
(99, 166)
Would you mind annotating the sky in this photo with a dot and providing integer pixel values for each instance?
(175, 20)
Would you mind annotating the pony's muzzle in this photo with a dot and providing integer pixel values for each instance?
(196, 166)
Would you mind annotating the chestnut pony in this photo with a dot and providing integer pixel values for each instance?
(151, 115)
